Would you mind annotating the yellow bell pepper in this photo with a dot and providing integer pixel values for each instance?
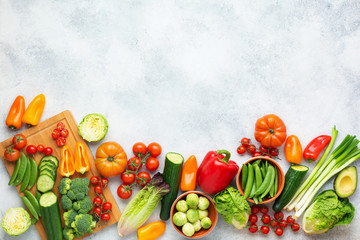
(151, 231)
(67, 166)
(34, 111)
(82, 164)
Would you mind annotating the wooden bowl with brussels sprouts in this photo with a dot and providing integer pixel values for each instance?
(193, 214)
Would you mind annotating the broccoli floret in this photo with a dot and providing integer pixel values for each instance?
(68, 233)
(66, 203)
(80, 185)
(64, 185)
(69, 217)
(71, 195)
(83, 223)
(83, 206)
(80, 196)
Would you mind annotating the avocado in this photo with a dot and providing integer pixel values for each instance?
(346, 182)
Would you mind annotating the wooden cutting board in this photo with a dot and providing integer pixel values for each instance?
(41, 134)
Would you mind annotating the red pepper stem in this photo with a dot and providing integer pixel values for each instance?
(227, 155)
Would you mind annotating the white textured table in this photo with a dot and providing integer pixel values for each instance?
(191, 75)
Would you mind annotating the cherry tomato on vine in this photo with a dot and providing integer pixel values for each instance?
(56, 133)
(123, 192)
(105, 217)
(94, 180)
(104, 182)
(152, 164)
(40, 148)
(98, 189)
(245, 142)
(253, 228)
(283, 224)
(255, 209)
(279, 215)
(19, 141)
(273, 223)
(133, 163)
(31, 149)
(290, 220)
(267, 155)
(251, 149)
(64, 132)
(264, 209)
(265, 229)
(263, 149)
(256, 154)
(241, 150)
(48, 151)
(295, 227)
(154, 149)
(97, 201)
(253, 218)
(279, 231)
(97, 211)
(139, 148)
(128, 178)
(60, 141)
(274, 152)
(142, 178)
(12, 154)
(266, 219)
(107, 206)
(60, 126)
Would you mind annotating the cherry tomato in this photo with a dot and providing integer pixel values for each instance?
(253, 218)
(56, 133)
(251, 149)
(142, 178)
(94, 180)
(241, 149)
(19, 141)
(60, 126)
(154, 149)
(60, 141)
(31, 149)
(279, 231)
(97, 201)
(97, 211)
(124, 192)
(98, 189)
(283, 224)
(263, 149)
(107, 206)
(279, 215)
(290, 220)
(265, 229)
(64, 132)
(267, 155)
(273, 223)
(253, 228)
(255, 209)
(139, 148)
(134, 163)
(245, 142)
(274, 152)
(48, 151)
(128, 178)
(105, 217)
(295, 227)
(152, 164)
(264, 209)
(256, 154)
(40, 148)
(12, 154)
(104, 182)
(266, 219)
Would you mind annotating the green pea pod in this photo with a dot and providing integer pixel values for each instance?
(266, 166)
(244, 176)
(30, 207)
(276, 182)
(258, 177)
(256, 200)
(271, 193)
(16, 171)
(262, 168)
(253, 190)
(22, 170)
(26, 179)
(34, 173)
(38, 195)
(257, 162)
(250, 180)
(265, 183)
(34, 202)
(272, 179)
(260, 200)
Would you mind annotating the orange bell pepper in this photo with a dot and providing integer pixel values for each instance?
(82, 164)
(67, 166)
(16, 113)
(151, 231)
(293, 150)
(34, 111)
(188, 176)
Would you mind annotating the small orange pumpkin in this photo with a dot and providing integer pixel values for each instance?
(111, 160)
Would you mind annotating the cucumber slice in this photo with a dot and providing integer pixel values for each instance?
(45, 183)
(51, 158)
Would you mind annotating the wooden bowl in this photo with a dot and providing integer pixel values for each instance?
(280, 175)
(212, 215)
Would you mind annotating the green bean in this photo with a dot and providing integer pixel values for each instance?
(250, 180)
(16, 171)
(244, 173)
(265, 183)
(34, 173)
(272, 172)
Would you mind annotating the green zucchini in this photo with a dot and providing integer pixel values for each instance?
(50, 212)
(172, 176)
(293, 178)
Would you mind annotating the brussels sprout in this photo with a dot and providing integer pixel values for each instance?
(203, 203)
(206, 223)
(192, 200)
(181, 206)
(93, 127)
(188, 229)
(179, 219)
(197, 225)
(192, 215)
(16, 221)
(203, 213)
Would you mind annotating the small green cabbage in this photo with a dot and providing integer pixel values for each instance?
(327, 211)
(93, 127)
(203, 203)
(192, 200)
(197, 225)
(203, 213)
(179, 219)
(233, 207)
(192, 215)
(188, 229)
(16, 221)
(206, 222)
(181, 206)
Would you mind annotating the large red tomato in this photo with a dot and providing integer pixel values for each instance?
(111, 160)
(270, 131)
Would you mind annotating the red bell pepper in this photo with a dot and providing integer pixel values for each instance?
(315, 147)
(216, 171)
